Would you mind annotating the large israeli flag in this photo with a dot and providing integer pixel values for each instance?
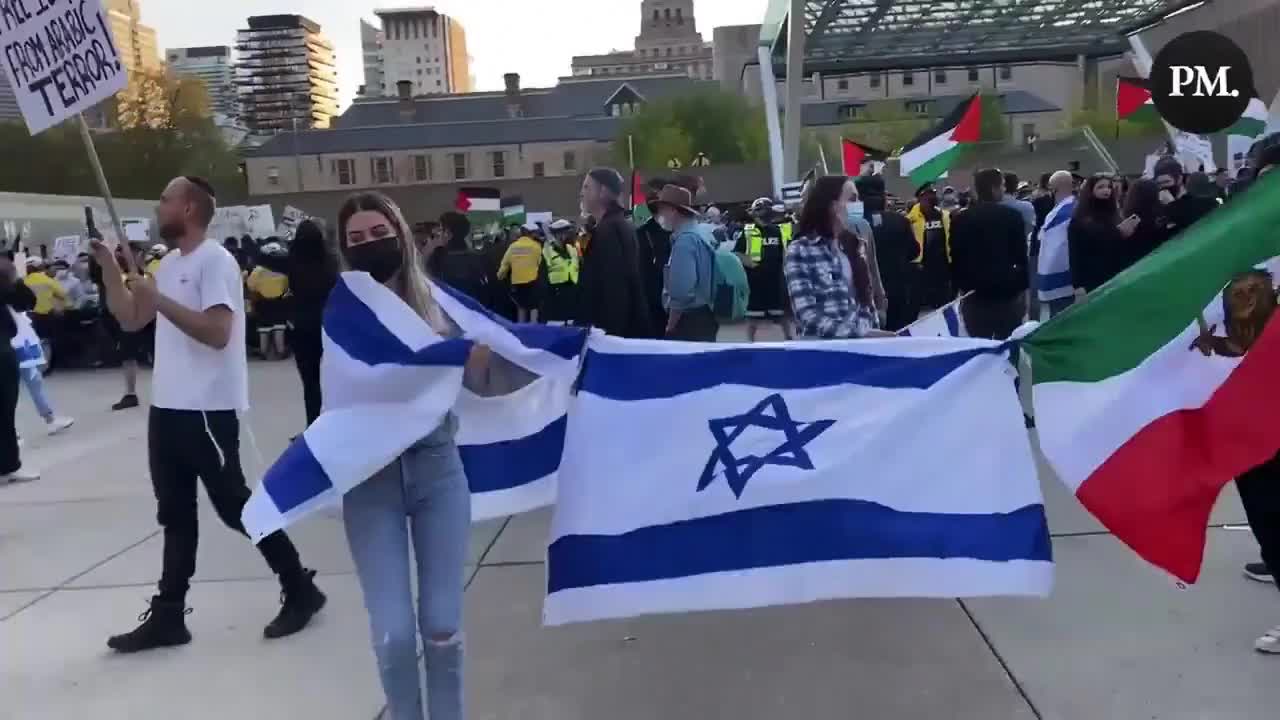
(700, 477)
(1053, 269)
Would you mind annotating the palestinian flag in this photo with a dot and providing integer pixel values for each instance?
(639, 202)
(1133, 100)
(513, 212)
(1146, 413)
(1253, 122)
(479, 200)
(934, 151)
(855, 154)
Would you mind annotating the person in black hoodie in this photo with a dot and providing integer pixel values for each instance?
(1142, 202)
(896, 251)
(1096, 240)
(457, 265)
(989, 260)
(610, 291)
(313, 271)
(653, 245)
(1181, 208)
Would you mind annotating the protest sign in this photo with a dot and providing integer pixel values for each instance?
(66, 248)
(59, 57)
(290, 217)
(137, 230)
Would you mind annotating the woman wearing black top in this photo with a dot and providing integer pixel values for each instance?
(1095, 241)
(313, 271)
(1142, 229)
(15, 296)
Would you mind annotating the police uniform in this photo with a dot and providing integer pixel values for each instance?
(766, 245)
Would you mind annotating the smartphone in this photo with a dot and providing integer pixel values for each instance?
(90, 229)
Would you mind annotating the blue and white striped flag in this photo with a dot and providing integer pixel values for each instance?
(1053, 269)
(747, 476)
(946, 321)
(388, 380)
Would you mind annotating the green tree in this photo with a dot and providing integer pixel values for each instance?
(886, 125)
(724, 126)
(995, 125)
(1104, 124)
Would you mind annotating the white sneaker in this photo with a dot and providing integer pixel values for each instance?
(22, 474)
(58, 424)
(1269, 643)
(21, 442)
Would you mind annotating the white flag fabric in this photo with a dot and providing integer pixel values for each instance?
(388, 380)
(946, 321)
(1193, 151)
(1053, 269)
(705, 476)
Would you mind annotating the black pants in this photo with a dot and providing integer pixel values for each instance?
(184, 445)
(10, 461)
(993, 319)
(904, 297)
(1260, 494)
(699, 325)
(307, 350)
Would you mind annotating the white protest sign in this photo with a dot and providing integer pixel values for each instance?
(59, 57)
(237, 220)
(290, 217)
(1194, 151)
(20, 263)
(66, 247)
(137, 230)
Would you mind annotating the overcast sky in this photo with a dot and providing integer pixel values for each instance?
(535, 39)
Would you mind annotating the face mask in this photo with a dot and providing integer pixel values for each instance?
(380, 258)
(853, 211)
(664, 223)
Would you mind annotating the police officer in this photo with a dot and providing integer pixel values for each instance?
(762, 246)
(561, 260)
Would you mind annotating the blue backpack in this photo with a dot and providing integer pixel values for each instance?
(729, 289)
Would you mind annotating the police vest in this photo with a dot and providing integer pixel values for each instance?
(561, 269)
(756, 239)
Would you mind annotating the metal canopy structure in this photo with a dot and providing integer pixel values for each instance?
(865, 35)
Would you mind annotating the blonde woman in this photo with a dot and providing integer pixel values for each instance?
(421, 500)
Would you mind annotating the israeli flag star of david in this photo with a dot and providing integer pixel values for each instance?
(718, 476)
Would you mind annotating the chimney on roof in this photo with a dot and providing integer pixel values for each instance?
(404, 90)
(515, 103)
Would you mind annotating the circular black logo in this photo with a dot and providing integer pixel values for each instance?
(1201, 82)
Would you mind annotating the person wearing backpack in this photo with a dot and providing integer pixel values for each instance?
(691, 271)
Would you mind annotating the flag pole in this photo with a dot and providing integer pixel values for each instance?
(96, 163)
(631, 161)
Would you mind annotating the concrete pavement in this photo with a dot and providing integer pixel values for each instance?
(80, 550)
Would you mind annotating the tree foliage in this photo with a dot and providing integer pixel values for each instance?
(995, 125)
(161, 100)
(723, 126)
(886, 125)
(1104, 124)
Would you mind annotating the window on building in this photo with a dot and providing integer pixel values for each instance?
(570, 161)
(667, 14)
(421, 168)
(655, 15)
(539, 169)
(437, 83)
(499, 163)
(1006, 72)
(1028, 130)
(842, 84)
(849, 112)
(973, 74)
(345, 170)
(419, 59)
(908, 78)
(415, 31)
(668, 52)
(918, 106)
(874, 80)
(460, 169)
(940, 77)
(382, 170)
(419, 73)
(273, 175)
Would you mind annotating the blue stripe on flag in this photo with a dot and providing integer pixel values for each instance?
(779, 535)
(636, 376)
(296, 477)
(561, 341)
(1063, 216)
(1053, 281)
(358, 331)
(953, 320)
(511, 463)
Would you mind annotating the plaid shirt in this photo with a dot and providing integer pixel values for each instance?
(821, 295)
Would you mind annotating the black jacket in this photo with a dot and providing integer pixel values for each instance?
(989, 252)
(653, 247)
(896, 250)
(465, 271)
(1183, 212)
(16, 295)
(1098, 251)
(610, 291)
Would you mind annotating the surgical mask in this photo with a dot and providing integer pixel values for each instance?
(380, 258)
(665, 223)
(853, 212)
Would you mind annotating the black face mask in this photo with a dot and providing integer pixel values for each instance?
(380, 258)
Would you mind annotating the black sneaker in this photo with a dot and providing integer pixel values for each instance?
(1258, 571)
(126, 402)
(297, 607)
(162, 626)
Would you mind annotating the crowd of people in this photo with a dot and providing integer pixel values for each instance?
(849, 264)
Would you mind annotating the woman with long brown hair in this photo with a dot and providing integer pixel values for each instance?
(1095, 239)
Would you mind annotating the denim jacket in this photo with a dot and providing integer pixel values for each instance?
(689, 270)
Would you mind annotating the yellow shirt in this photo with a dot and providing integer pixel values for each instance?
(152, 267)
(268, 284)
(50, 294)
(521, 260)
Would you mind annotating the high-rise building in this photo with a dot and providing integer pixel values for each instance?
(9, 110)
(286, 76)
(213, 65)
(135, 42)
(424, 47)
(371, 48)
(668, 42)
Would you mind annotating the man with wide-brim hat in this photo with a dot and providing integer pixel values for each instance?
(688, 293)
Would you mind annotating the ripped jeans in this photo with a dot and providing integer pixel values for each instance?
(420, 498)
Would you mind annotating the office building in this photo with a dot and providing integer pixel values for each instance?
(286, 77)
(135, 42)
(668, 42)
(371, 48)
(426, 48)
(213, 65)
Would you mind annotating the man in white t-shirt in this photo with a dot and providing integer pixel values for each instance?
(200, 382)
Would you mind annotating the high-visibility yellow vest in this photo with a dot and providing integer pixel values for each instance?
(755, 239)
(561, 269)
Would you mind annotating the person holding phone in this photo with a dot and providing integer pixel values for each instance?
(1095, 239)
